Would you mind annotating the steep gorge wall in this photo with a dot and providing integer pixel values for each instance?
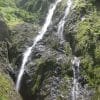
(7, 88)
(50, 61)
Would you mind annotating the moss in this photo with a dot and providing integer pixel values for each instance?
(5, 87)
(97, 75)
(67, 49)
(37, 84)
(96, 96)
(43, 66)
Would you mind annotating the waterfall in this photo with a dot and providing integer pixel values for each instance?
(61, 24)
(56, 80)
(63, 20)
(75, 68)
(42, 32)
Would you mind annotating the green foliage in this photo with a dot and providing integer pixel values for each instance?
(97, 94)
(26, 16)
(87, 33)
(83, 6)
(7, 9)
(91, 72)
(34, 5)
(37, 8)
(37, 84)
(45, 67)
(9, 16)
(7, 3)
(67, 49)
(87, 61)
(14, 15)
(97, 54)
(87, 69)
(79, 3)
(87, 37)
(5, 87)
(97, 75)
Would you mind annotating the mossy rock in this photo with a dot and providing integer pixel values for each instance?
(7, 91)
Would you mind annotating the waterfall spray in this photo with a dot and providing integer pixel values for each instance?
(75, 68)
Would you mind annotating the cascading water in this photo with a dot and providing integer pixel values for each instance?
(36, 40)
(75, 68)
(56, 79)
(63, 20)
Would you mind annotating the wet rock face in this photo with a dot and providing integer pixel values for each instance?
(4, 32)
(4, 40)
(97, 2)
(42, 73)
(7, 89)
(48, 73)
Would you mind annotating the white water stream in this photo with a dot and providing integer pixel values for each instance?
(63, 20)
(75, 68)
(28, 52)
